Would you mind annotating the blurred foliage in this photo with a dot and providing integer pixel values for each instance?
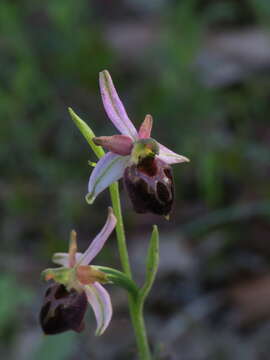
(55, 347)
(51, 53)
(15, 296)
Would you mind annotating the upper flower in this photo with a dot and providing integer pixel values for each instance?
(129, 148)
(75, 283)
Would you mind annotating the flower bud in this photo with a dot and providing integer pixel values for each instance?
(62, 310)
(150, 186)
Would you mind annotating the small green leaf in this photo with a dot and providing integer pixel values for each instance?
(152, 262)
(89, 198)
(92, 163)
(87, 133)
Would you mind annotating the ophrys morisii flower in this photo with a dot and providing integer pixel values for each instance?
(75, 284)
(142, 161)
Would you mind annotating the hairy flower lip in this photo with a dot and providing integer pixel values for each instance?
(111, 167)
(75, 274)
(150, 186)
(62, 310)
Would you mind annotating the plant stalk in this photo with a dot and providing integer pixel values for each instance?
(120, 231)
(137, 318)
(135, 304)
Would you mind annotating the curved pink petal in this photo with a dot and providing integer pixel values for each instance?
(114, 107)
(146, 127)
(100, 301)
(170, 157)
(109, 169)
(118, 144)
(99, 241)
(63, 258)
(72, 248)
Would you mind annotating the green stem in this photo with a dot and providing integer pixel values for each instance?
(120, 231)
(135, 305)
(137, 318)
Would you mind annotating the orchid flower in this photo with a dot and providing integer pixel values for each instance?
(143, 162)
(76, 283)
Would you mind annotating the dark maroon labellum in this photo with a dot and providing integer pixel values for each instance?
(62, 310)
(150, 186)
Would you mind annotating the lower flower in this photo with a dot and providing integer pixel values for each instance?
(75, 285)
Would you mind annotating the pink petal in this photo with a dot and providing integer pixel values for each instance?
(99, 241)
(170, 157)
(72, 248)
(101, 304)
(63, 258)
(109, 169)
(146, 127)
(114, 107)
(118, 144)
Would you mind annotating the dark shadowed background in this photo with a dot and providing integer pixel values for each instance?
(202, 69)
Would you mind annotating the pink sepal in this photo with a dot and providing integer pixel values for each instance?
(114, 107)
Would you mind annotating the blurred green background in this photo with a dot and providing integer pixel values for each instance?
(202, 69)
